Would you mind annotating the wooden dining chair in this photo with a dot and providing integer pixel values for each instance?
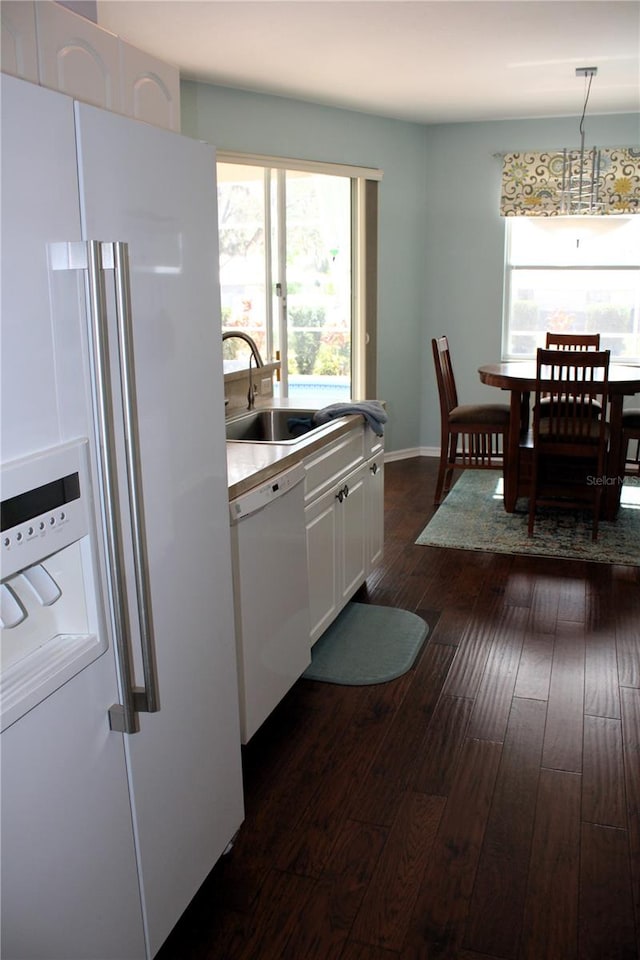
(472, 436)
(574, 341)
(569, 440)
(631, 442)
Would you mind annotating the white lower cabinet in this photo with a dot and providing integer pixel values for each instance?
(352, 534)
(320, 524)
(374, 510)
(344, 528)
(282, 608)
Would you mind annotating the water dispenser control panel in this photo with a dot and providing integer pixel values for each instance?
(45, 505)
(51, 615)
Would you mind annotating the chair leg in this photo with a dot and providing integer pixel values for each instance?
(437, 500)
(450, 465)
(532, 497)
(444, 452)
(448, 446)
(596, 513)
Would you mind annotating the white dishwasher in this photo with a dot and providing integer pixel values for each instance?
(271, 594)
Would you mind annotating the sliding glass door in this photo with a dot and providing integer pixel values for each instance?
(289, 272)
(317, 234)
(245, 264)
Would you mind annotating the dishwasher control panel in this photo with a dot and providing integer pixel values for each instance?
(259, 497)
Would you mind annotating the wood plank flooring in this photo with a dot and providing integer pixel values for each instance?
(484, 806)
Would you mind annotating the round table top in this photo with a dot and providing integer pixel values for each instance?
(521, 375)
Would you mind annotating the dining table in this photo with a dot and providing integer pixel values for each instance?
(519, 378)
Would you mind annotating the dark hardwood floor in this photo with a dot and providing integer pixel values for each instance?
(484, 805)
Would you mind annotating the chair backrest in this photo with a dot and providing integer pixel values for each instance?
(444, 375)
(576, 383)
(573, 341)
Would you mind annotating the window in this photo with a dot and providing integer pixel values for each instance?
(573, 274)
(293, 271)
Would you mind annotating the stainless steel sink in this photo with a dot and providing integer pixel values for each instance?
(270, 426)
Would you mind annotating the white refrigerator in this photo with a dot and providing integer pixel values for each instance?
(120, 744)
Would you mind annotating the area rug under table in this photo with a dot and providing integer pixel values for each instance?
(367, 644)
(472, 517)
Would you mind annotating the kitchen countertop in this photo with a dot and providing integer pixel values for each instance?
(250, 464)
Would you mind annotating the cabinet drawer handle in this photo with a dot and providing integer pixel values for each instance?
(374, 468)
(342, 494)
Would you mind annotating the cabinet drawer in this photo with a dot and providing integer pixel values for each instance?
(373, 444)
(325, 467)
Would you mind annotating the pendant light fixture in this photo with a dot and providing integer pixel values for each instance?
(581, 168)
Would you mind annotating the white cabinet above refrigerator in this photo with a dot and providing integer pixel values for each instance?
(46, 43)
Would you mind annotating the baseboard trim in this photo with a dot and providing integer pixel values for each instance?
(391, 455)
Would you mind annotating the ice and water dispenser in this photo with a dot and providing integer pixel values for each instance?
(51, 623)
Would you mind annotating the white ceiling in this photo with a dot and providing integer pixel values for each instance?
(428, 61)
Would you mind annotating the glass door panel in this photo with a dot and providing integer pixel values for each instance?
(318, 284)
(244, 280)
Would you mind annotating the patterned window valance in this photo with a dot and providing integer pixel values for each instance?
(532, 183)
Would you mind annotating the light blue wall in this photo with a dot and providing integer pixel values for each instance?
(464, 256)
(441, 248)
(464, 262)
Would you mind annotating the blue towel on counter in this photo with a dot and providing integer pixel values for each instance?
(372, 410)
(297, 426)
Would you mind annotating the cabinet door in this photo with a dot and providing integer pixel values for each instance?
(352, 534)
(336, 548)
(150, 88)
(77, 57)
(322, 557)
(19, 50)
(375, 511)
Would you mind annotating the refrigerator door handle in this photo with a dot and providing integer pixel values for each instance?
(146, 699)
(122, 716)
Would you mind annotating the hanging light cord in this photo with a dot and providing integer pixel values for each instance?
(584, 109)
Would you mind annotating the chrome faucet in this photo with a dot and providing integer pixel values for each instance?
(254, 355)
(251, 395)
(228, 334)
